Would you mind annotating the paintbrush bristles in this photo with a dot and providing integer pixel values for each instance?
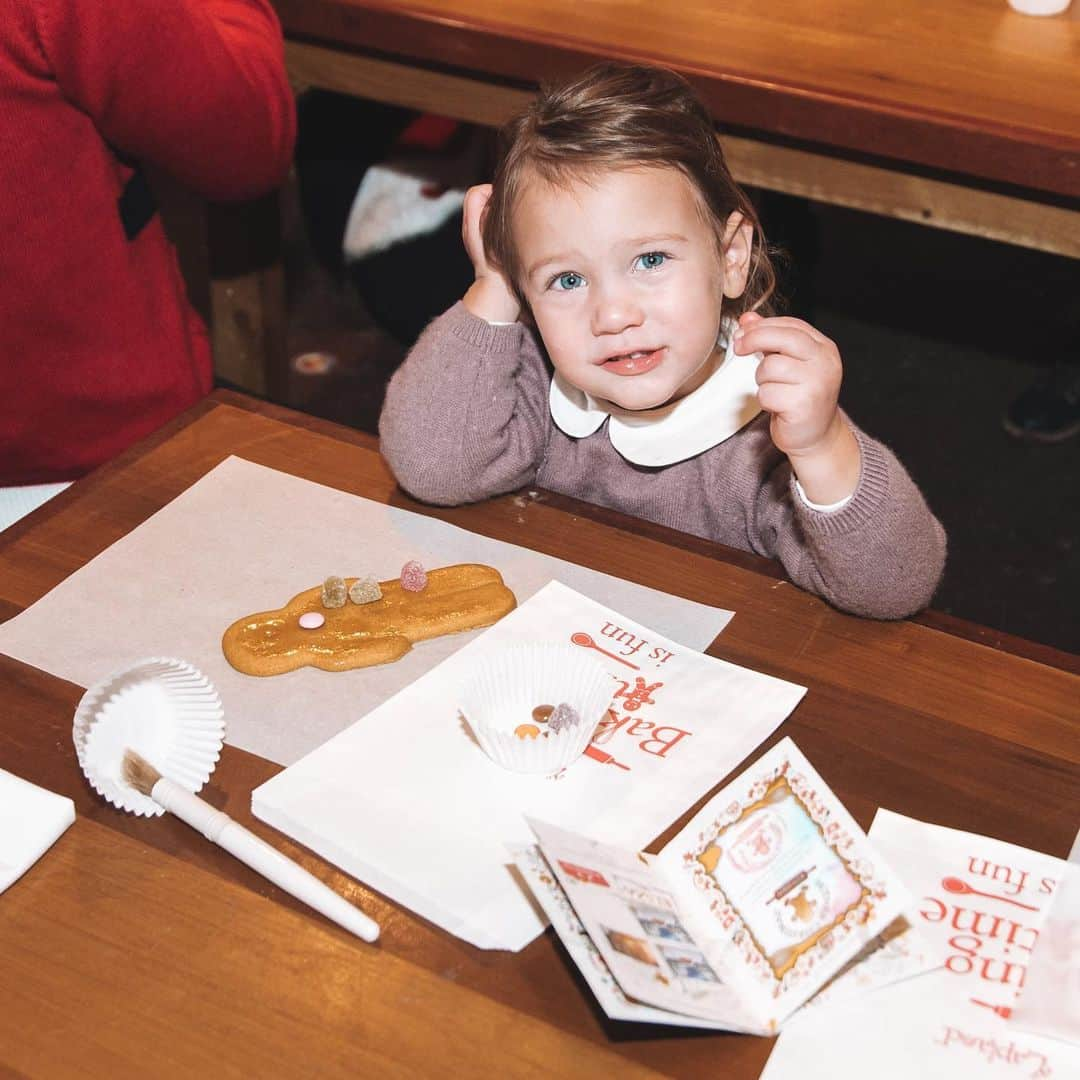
(139, 773)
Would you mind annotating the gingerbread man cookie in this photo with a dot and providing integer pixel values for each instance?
(453, 599)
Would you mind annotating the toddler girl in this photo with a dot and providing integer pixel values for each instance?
(615, 248)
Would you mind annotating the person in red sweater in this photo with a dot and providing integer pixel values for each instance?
(98, 342)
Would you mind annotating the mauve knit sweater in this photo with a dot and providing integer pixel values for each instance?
(466, 417)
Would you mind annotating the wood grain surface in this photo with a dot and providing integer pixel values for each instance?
(968, 86)
(136, 946)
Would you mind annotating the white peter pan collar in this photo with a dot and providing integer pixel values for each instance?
(724, 403)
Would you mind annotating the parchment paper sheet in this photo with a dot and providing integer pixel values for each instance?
(246, 538)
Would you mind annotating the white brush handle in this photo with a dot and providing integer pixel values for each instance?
(260, 856)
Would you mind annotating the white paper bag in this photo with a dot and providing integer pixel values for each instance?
(406, 801)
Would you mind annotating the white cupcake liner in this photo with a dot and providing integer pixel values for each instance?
(506, 686)
(165, 710)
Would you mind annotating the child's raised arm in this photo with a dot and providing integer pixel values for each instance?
(858, 531)
(466, 415)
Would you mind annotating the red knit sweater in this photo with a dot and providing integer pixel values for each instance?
(98, 343)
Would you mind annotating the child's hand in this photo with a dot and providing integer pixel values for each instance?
(798, 378)
(490, 296)
(799, 385)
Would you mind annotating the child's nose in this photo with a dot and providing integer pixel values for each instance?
(615, 310)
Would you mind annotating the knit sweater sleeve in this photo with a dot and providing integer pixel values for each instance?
(466, 415)
(196, 87)
(881, 555)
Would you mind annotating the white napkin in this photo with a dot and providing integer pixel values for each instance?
(31, 821)
(17, 502)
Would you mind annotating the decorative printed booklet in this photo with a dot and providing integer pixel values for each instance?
(769, 892)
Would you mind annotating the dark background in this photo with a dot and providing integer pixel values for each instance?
(939, 332)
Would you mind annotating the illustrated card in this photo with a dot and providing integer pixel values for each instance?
(779, 873)
(787, 876)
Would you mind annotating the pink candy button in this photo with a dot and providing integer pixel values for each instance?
(311, 620)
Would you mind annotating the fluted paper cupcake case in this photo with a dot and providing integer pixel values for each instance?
(506, 686)
(162, 708)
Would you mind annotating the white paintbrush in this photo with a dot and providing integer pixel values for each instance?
(246, 846)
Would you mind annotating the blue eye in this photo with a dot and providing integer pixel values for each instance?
(569, 280)
(651, 260)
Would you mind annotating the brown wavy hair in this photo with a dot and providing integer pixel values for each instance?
(618, 116)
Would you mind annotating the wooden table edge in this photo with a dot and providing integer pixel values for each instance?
(935, 620)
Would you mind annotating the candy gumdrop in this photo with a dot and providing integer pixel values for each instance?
(365, 591)
(334, 593)
(413, 576)
(563, 716)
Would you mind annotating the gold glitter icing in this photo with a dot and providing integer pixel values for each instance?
(457, 598)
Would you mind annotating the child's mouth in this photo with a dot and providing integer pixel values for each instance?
(635, 363)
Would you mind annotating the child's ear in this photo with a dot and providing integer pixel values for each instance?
(735, 251)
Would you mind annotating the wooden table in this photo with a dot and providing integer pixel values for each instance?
(135, 947)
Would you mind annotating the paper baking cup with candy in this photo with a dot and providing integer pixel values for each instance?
(534, 708)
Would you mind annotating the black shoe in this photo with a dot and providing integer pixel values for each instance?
(1048, 411)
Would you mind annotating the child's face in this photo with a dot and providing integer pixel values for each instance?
(625, 280)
